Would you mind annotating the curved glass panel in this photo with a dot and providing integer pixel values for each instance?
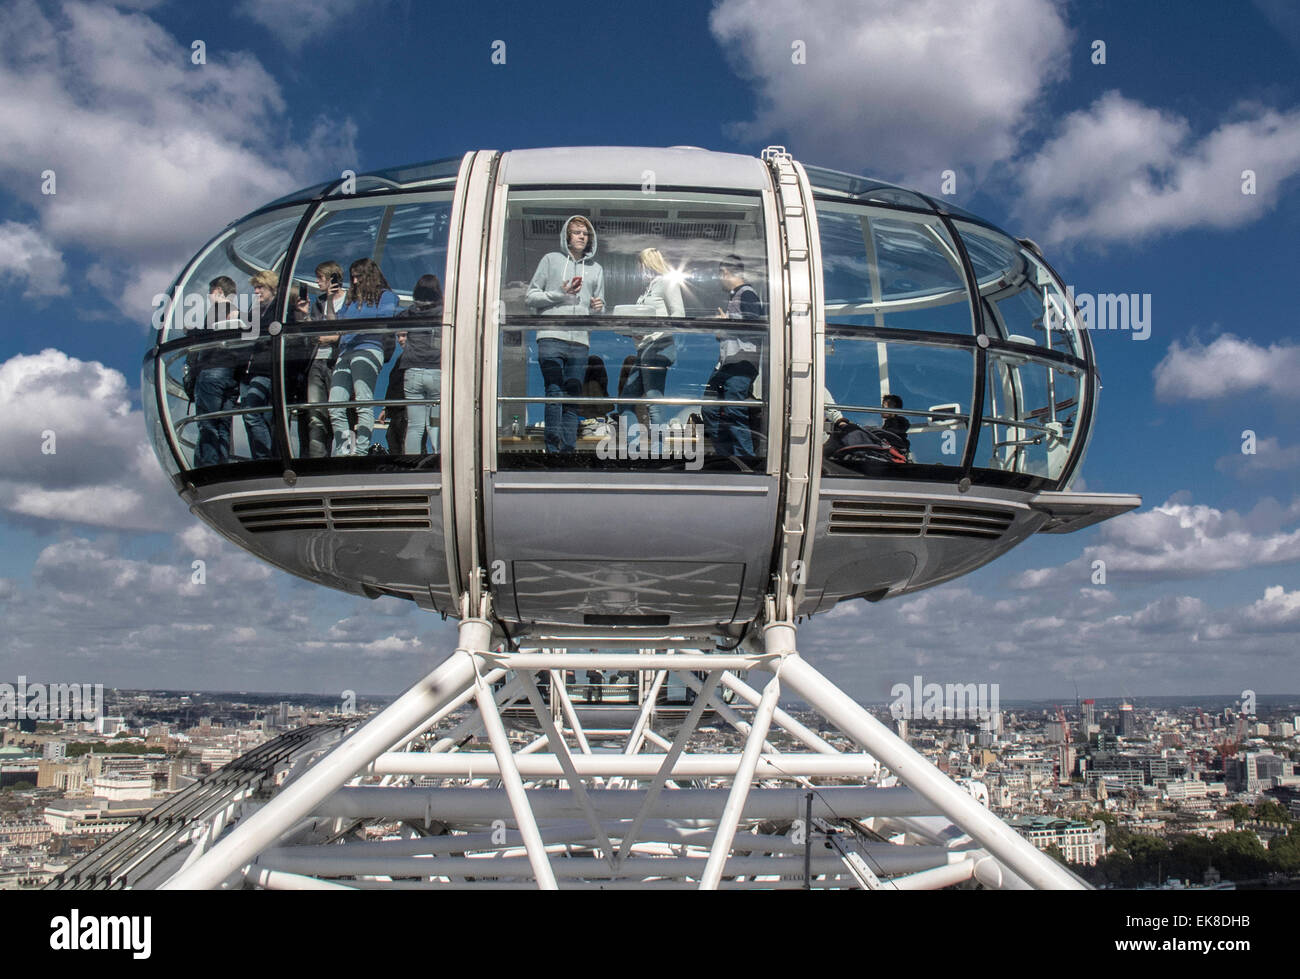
(635, 331)
(257, 244)
(1030, 416)
(912, 397)
(149, 401)
(864, 189)
(404, 235)
(890, 270)
(1022, 302)
(218, 401)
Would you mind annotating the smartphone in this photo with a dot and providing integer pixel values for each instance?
(336, 279)
(302, 293)
(577, 282)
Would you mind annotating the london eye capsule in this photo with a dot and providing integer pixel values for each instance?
(593, 400)
(623, 391)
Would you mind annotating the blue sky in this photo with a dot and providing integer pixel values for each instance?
(1128, 173)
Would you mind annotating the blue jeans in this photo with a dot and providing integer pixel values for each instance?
(726, 427)
(216, 390)
(257, 425)
(645, 380)
(354, 380)
(564, 366)
(421, 382)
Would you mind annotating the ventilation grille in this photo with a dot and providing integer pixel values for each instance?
(873, 518)
(390, 512)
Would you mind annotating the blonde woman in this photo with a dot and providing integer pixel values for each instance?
(655, 352)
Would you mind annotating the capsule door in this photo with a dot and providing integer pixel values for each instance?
(629, 475)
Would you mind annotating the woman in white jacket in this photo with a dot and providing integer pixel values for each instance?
(657, 351)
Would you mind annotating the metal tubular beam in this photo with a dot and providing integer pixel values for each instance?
(667, 764)
(571, 715)
(264, 827)
(936, 878)
(992, 833)
(566, 765)
(484, 805)
(431, 722)
(792, 727)
(637, 734)
(514, 786)
(629, 661)
(906, 860)
(735, 806)
(279, 880)
(479, 764)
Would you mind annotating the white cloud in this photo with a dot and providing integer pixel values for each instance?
(152, 154)
(906, 87)
(295, 22)
(1270, 456)
(26, 255)
(101, 470)
(1181, 540)
(1226, 366)
(1277, 612)
(1123, 171)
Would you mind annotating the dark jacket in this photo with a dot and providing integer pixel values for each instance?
(423, 346)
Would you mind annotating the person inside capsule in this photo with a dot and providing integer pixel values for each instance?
(656, 351)
(728, 428)
(210, 378)
(361, 356)
(566, 283)
(255, 389)
(314, 423)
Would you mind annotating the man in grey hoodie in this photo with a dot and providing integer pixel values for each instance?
(566, 283)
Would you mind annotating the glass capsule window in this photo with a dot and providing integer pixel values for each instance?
(634, 331)
(1021, 300)
(1031, 415)
(890, 270)
(257, 244)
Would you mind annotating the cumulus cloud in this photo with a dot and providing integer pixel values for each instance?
(1181, 540)
(1277, 612)
(1226, 366)
(27, 256)
(152, 154)
(1123, 171)
(909, 87)
(74, 447)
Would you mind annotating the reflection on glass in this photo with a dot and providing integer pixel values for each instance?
(890, 271)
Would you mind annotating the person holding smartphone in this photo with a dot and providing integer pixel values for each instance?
(314, 429)
(567, 283)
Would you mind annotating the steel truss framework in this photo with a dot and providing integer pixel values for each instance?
(572, 808)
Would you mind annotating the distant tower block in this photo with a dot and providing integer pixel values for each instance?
(641, 432)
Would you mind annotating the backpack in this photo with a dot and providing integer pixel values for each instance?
(853, 446)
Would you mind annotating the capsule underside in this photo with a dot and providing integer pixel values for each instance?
(662, 460)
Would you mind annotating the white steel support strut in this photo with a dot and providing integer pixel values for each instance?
(264, 827)
(514, 786)
(1008, 846)
(740, 787)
